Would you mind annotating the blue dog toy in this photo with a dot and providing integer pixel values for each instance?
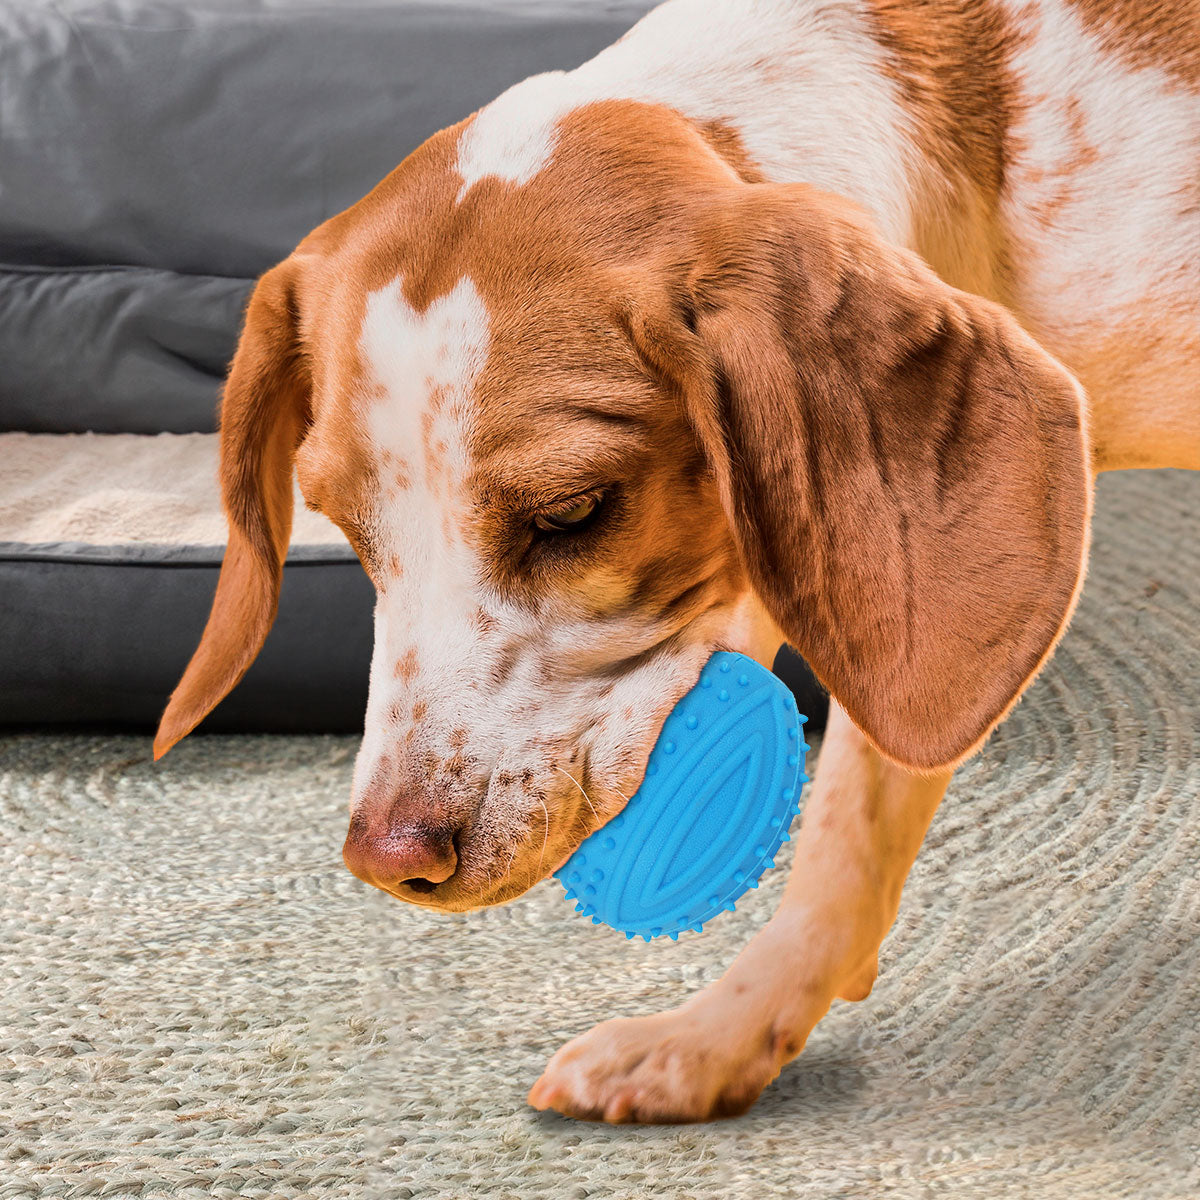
(718, 797)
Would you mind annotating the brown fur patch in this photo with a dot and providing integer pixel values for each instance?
(1142, 381)
(1159, 34)
(265, 411)
(397, 473)
(950, 59)
(456, 765)
(549, 279)
(406, 665)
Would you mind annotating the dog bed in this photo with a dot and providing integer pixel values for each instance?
(110, 545)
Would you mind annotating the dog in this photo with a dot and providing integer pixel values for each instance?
(804, 322)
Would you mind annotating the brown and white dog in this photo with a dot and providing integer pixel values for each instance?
(805, 321)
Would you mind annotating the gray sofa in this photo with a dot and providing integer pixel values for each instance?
(154, 159)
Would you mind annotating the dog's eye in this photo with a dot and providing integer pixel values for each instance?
(571, 514)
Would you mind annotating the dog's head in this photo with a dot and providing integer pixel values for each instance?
(587, 423)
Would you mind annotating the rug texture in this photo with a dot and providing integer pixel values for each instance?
(199, 1001)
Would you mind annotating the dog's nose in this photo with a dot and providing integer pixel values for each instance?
(420, 856)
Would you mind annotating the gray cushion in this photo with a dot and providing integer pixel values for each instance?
(102, 634)
(110, 545)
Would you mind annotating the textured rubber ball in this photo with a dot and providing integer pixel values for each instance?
(718, 798)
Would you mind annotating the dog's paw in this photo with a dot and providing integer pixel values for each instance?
(674, 1067)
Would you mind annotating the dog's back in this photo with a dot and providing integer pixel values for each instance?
(1043, 153)
(1101, 210)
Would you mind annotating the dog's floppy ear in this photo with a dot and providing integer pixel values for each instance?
(264, 413)
(904, 470)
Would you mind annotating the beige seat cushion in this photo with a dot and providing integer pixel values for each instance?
(122, 489)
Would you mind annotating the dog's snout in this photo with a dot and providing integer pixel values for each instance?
(416, 854)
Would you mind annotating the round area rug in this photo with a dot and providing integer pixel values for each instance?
(200, 1001)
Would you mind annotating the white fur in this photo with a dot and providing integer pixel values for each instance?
(412, 357)
(803, 84)
(1094, 240)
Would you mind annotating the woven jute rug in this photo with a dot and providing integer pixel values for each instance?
(198, 1000)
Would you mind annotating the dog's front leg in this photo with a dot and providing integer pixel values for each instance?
(863, 823)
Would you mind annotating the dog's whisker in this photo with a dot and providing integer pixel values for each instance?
(534, 875)
(581, 792)
(545, 836)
